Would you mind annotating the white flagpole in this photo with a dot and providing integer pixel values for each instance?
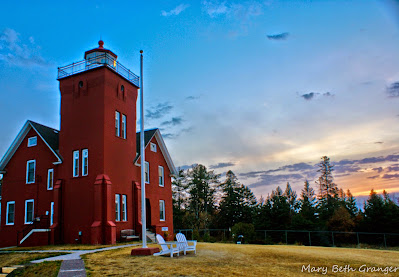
(142, 153)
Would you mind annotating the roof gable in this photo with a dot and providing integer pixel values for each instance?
(148, 135)
(47, 134)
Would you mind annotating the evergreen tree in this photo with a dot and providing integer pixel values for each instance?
(237, 204)
(179, 198)
(280, 210)
(328, 200)
(291, 197)
(201, 189)
(350, 204)
(306, 218)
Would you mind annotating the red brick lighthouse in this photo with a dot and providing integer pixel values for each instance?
(82, 183)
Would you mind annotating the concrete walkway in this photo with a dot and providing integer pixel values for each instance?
(72, 263)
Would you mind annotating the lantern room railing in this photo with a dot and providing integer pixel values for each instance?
(98, 61)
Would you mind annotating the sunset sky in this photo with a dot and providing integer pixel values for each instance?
(264, 88)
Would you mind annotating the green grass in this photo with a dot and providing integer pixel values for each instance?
(217, 259)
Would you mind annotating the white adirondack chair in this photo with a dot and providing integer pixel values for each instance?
(184, 244)
(167, 248)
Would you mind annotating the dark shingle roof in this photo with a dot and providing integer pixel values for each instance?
(50, 135)
(148, 134)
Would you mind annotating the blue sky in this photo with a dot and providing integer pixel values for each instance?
(264, 88)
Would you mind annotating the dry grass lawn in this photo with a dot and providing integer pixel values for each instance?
(9, 259)
(66, 247)
(45, 269)
(219, 259)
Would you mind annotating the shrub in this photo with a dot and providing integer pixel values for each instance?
(196, 235)
(245, 229)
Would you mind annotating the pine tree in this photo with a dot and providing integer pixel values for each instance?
(201, 189)
(179, 197)
(291, 197)
(237, 203)
(328, 200)
(351, 205)
(306, 218)
(280, 210)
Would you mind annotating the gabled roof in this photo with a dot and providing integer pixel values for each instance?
(48, 135)
(148, 135)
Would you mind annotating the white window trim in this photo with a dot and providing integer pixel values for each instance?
(118, 207)
(85, 156)
(163, 176)
(8, 204)
(153, 147)
(27, 171)
(50, 186)
(74, 158)
(51, 213)
(124, 126)
(124, 207)
(164, 215)
(26, 210)
(147, 164)
(30, 143)
(117, 124)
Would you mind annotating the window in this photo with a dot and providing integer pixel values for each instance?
(160, 176)
(32, 141)
(117, 207)
(76, 163)
(123, 126)
(153, 147)
(124, 208)
(117, 119)
(85, 162)
(147, 173)
(162, 210)
(51, 213)
(29, 211)
(30, 171)
(50, 178)
(10, 213)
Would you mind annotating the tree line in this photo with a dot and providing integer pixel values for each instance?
(201, 200)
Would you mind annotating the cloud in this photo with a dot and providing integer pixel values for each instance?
(177, 134)
(169, 136)
(275, 180)
(192, 97)
(173, 122)
(176, 11)
(241, 12)
(185, 167)
(393, 90)
(281, 36)
(214, 9)
(159, 111)
(392, 168)
(391, 176)
(389, 158)
(14, 51)
(311, 95)
(378, 169)
(221, 165)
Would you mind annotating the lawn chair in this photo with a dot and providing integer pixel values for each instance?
(167, 247)
(183, 243)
